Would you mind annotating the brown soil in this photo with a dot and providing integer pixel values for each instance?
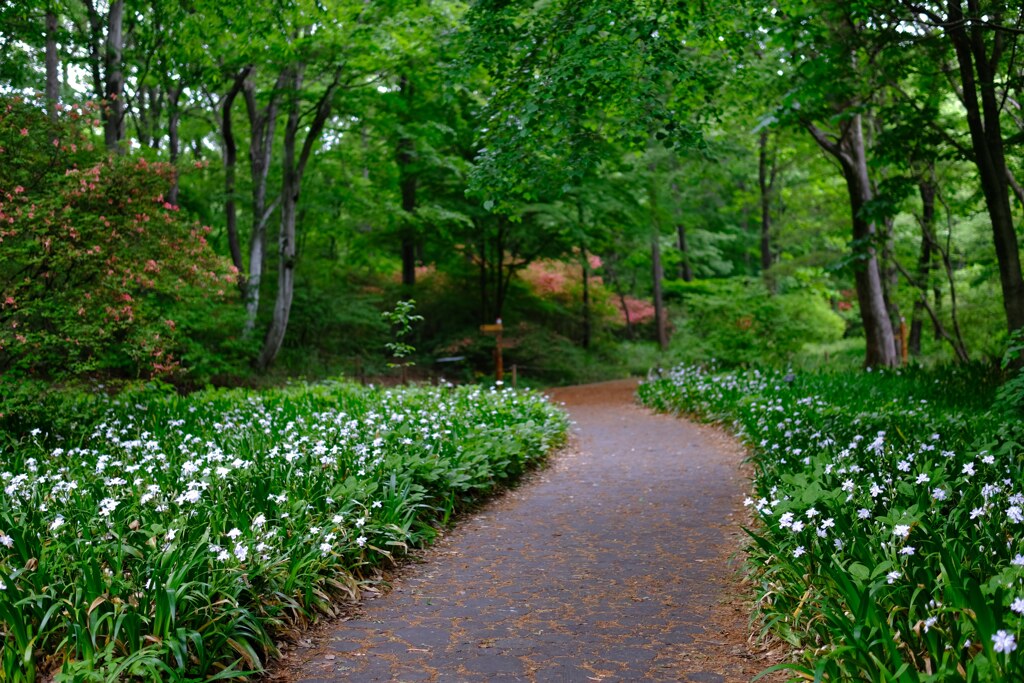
(617, 562)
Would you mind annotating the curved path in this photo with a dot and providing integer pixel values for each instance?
(609, 565)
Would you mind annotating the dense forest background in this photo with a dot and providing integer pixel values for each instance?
(206, 192)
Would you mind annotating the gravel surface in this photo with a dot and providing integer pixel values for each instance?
(611, 564)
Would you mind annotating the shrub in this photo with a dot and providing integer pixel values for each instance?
(99, 274)
(737, 321)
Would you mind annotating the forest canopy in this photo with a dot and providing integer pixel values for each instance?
(202, 192)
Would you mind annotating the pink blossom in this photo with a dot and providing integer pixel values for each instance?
(24, 132)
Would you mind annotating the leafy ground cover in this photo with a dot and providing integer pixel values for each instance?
(174, 538)
(890, 510)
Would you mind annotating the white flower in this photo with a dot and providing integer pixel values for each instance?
(325, 548)
(848, 485)
(901, 530)
(798, 526)
(786, 520)
(1017, 606)
(3, 586)
(376, 504)
(799, 551)
(1014, 514)
(907, 550)
(1004, 642)
(939, 493)
(1018, 560)
(968, 469)
(977, 512)
(234, 533)
(57, 523)
(241, 552)
(259, 521)
(875, 490)
(171, 533)
(892, 576)
(360, 522)
(990, 460)
(812, 513)
(929, 622)
(863, 513)
(6, 541)
(361, 541)
(922, 478)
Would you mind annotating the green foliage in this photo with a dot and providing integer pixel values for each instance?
(737, 321)
(888, 511)
(99, 274)
(127, 550)
(401, 320)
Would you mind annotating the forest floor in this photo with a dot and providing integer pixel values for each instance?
(619, 561)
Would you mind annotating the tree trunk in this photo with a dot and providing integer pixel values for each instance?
(173, 141)
(262, 123)
(658, 274)
(291, 186)
(978, 79)
(924, 261)
(657, 270)
(685, 271)
(878, 332)
(230, 175)
(113, 95)
(585, 274)
(766, 183)
(52, 72)
(407, 184)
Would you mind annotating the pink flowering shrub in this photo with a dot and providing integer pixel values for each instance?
(99, 274)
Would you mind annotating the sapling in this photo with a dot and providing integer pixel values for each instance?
(401, 320)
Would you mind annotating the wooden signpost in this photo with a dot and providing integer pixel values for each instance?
(495, 331)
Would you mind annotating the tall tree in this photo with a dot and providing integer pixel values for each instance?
(984, 37)
(833, 61)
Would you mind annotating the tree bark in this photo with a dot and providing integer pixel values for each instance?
(685, 270)
(291, 186)
(927, 191)
(849, 151)
(230, 174)
(977, 74)
(173, 140)
(52, 64)
(407, 181)
(766, 183)
(262, 123)
(113, 94)
(657, 270)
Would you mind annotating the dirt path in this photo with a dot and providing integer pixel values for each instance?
(610, 565)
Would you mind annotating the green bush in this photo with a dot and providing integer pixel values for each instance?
(737, 321)
(99, 274)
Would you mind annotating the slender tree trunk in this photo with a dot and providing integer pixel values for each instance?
(657, 270)
(927, 191)
(584, 273)
(291, 186)
(113, 107)
(484, 308)
(766, 183)
(52, 64)
(173, 141)
(878, 331)
(230, 175)
(977, 74)
(407, 184)
(685, 271)
(262, 123)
